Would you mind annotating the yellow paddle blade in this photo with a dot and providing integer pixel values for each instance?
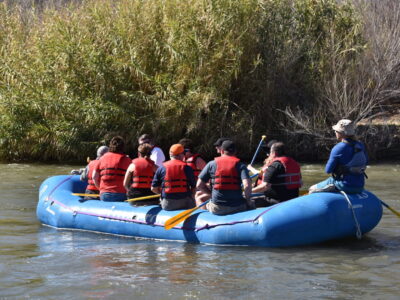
(390, 208)
(303, 192)
(171, 222)
(394, 211)
(86, 195)
(143, 198)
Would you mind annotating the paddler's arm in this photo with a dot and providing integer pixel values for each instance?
(252, 169)
(128, 177)
(247, 188)
(157, 180)
(262, 187)
(202, 187)
(96, 178)
(156, 189)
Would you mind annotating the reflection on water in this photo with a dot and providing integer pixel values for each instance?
(40, 262)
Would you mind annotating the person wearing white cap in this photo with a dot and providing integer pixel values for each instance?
(347, 162)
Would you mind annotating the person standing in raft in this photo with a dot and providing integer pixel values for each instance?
(175, 181)
(347, 162)
(192, 159)
(157, 155)
(139, 176)
(87, 174)
(281, 179)
(227, 175)
(110, 171)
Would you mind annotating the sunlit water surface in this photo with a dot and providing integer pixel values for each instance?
(38, 262)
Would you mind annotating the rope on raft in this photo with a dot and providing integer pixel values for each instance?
(132, 220)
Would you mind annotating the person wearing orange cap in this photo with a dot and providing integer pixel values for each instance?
(175, 181)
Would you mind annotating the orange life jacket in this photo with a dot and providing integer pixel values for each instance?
(92, 166)
(144, 173)
(112, 167)
(175, 180)
(292, 174)
(226, 175)
(191, 162)
(260, 177)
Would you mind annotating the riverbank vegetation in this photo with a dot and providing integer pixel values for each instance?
(74, 74)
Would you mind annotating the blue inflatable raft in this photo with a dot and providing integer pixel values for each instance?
(305, 220)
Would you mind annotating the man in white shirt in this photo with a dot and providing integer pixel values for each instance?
(157, 155)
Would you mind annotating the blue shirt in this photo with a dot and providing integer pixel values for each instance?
(159, 176)
(341, 154)
(225, 197)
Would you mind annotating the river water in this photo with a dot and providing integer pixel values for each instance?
(39, 262)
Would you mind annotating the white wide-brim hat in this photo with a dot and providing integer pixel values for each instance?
(345, 126)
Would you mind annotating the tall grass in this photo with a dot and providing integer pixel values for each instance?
(72, 75)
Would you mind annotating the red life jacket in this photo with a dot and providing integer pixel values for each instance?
(292, 174)
(191, 162)
(175, 180)
(144, 173)
(226, 175)
(112, 167)
(260, 177)
(92, 166)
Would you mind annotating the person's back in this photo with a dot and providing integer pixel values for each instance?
(87, 174)
(226, 181)
(112, 167)
(175, 181)
(342, 154)
(347, 162)
(139, 176)
(110, 172)
(227, 175)
(285, 178)
(281, 180)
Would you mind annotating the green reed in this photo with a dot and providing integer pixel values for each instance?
(71, 77)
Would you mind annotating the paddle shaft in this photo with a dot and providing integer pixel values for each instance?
(143, 198)
(86, 195)
(391, 209)
(171, 222)
(258, 149)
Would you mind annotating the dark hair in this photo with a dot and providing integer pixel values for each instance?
(229, 147)
(145, 149)
(219, 142)
(145, 138)
(186, 143)
(278, 148)
(117, 145)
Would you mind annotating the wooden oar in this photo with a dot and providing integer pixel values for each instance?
(143, 198)
(391, 209)
(171, 222)
(85, 195)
